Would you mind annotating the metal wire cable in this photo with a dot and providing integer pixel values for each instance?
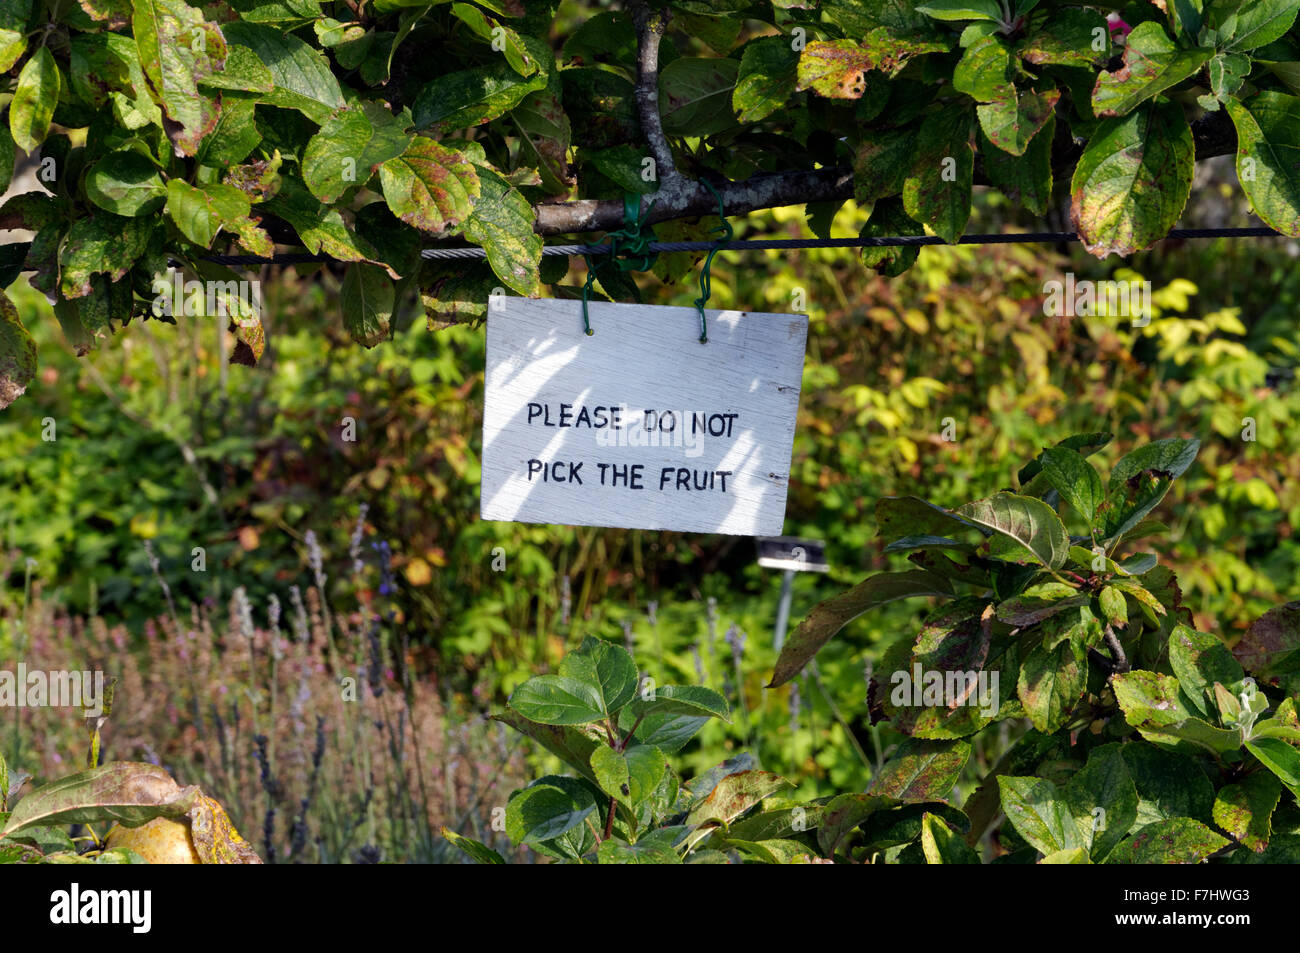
(892, 241)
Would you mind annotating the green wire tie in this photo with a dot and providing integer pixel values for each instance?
(726, 231)
(629, 249)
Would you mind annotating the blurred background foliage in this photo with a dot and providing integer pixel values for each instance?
(157, 441)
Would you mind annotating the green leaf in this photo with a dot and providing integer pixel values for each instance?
(887, 220)
(571, 745)
(1169, 784)
(35, 97)
(766, 79)
(695, 95)
(937, 191)
(14, 15)
(1153, 704)
(1245, 809)
(202, 212)
(366, 300)
(1279, 757)
(1271, 646)
(17, 356)
(556, 700)
(350, 146)
(1069, 37)
(1012, 124)
(656, 847)
(921, 770)
(430, 186)
(543, 812)
(302, 77)
(1075, 479)
(503, 39)
(900, 516)
(1075, 855)
(1252, 23)
(1228, 72)
(127, 792)
(1039, 814)
(1103, 800)
(1026, 178)
(1052, 680)
(235, 135)
(1179, 840)
(942, 845)
(984, 71)
(606, 667)
(733, 796)
(100, 244)
(961, 10)
(880, 167)
(1140, 480)
(1199, 660)
(477, 852)
(902, 825)
(629, 776)
(1133, 179)
(125, 183)
(829, 616)
(502, 223)
(242, 71)
(1268, 148)
(1030, 523)
(473, 96)
(177, 49)
(692, 700)
(845, 812)
(1152, 63)
(1114, 607)
(1039, 602)
(546, 134)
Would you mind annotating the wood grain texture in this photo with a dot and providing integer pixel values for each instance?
(719, 464)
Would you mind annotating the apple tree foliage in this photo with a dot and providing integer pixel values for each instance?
(1143, 740)
(364, 130)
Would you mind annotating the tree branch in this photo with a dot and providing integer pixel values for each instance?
(1213, 135)
(650, 28)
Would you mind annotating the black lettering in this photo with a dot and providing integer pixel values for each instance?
(583, 418)
(534, 410)
(602, 467)
(636, 476)
(566, 411)
(722, 477)
(534, 466)
(574, 475)
(683, 478)
(665, 475)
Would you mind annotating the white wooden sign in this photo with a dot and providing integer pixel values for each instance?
(639, 424)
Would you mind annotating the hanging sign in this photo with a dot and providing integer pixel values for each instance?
(638, 424)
